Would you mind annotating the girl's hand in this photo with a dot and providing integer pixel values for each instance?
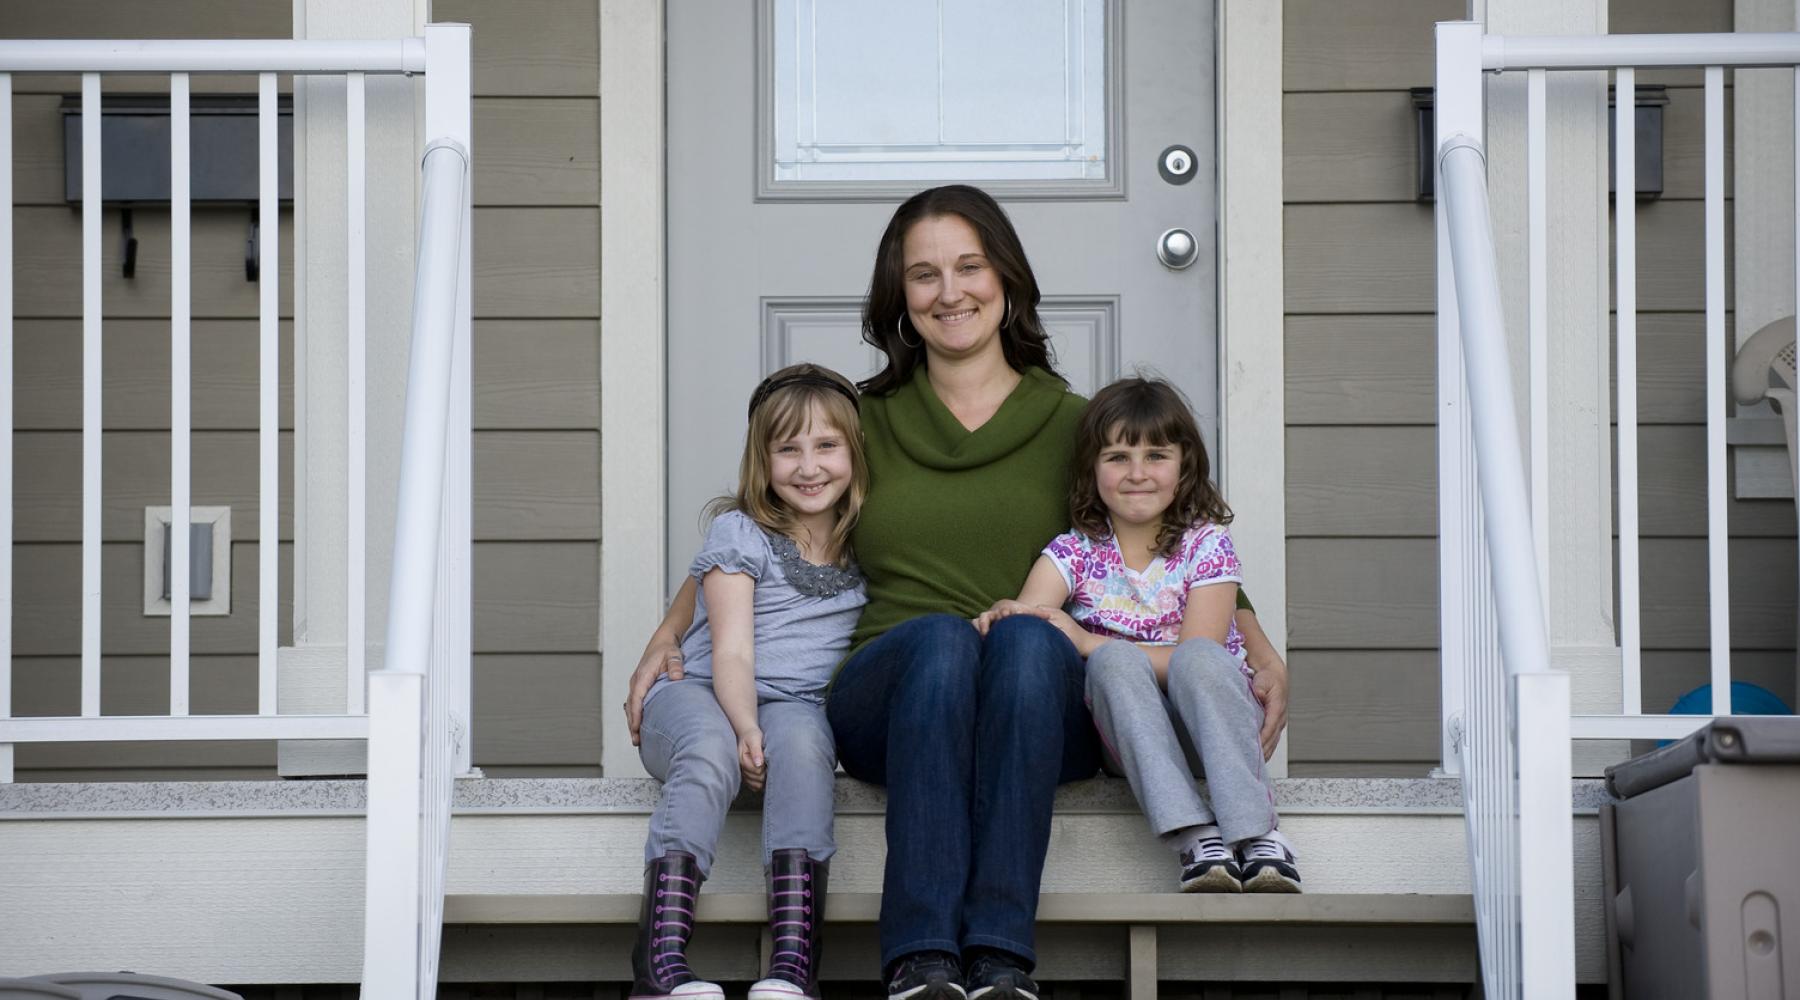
(660, 657)
(750, 760)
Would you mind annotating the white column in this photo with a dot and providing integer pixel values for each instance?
(1254, 435)
(311, 670)
(1580, 597)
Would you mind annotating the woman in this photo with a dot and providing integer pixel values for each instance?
(969, 434)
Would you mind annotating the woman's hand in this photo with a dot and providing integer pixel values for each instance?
(1002, 609)
(1271, 688)
(750, 759)
(662, 656)
(1270, 683)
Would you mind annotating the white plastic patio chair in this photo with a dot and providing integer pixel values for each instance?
(1765, 369)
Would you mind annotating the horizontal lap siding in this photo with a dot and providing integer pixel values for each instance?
(537, 384)
(1360, 406)
(536, 405)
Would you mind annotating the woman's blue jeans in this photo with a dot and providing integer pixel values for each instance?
(971, 736)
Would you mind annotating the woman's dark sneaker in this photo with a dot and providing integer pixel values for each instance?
(796, 921)
(995, 975)
(665, 924)
(1207, 865)
(1268, 864)
(926, 975)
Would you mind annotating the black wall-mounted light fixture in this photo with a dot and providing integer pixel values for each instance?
(1649, 115)
(134, 156)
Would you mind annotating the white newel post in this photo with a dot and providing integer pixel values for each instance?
(312, 670)
(1575, 456)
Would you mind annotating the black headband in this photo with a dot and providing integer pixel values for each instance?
(772, 383)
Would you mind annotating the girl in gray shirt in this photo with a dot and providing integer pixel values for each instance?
(778, 597)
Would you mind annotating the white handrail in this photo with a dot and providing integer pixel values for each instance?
(1538, 715)
(1607, 52)
(403, 894)
(233, 55)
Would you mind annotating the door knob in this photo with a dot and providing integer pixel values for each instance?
(1177, 249)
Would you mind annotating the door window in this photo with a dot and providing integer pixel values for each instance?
(869, 97)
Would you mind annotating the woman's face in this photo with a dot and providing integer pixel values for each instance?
(954, 297)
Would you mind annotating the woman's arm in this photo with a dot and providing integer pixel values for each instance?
(661, 656)
(730, 614)
(1270, 682)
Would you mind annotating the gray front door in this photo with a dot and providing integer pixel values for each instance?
(796, 126)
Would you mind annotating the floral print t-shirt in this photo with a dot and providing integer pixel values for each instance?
(1110, 598)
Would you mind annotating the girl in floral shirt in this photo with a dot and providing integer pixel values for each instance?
(1145, 586)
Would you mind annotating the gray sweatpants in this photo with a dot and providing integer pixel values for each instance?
(688, 744)
(1152, 737)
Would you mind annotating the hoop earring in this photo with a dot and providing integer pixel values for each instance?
(1006, 317)
(900, 331)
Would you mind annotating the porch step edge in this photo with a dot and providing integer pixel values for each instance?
(1071, 907)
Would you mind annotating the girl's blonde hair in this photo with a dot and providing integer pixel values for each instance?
(1137, 411)
(781, 408)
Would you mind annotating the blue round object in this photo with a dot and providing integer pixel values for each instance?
(1746, 699)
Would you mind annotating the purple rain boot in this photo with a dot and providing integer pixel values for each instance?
(796, 925)
(666, 922)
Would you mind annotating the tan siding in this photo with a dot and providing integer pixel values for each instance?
(537, 710)
(48, 271)
(531, 48)
(537, 384)
(536, 397)
(135, 475)
(537, 374)
(1362, 593)
(1363, 705)
(536, 597)
(1364, 45)
(135, 357)
(49, 578)
(1361, 369)
(537, 262)
(1348, 147)
(1345, 258)
(537, 485)
(536, 152)
(1361, 396)
(1356, 481)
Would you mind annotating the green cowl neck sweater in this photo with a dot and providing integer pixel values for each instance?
(954, 517)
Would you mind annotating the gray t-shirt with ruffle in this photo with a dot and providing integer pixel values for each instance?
(804, 611)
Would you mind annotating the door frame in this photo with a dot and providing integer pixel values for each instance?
(633, 329)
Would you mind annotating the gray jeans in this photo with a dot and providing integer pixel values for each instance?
(1151, 737)
(688, 744)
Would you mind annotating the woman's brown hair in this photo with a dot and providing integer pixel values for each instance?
(784, 408)
(1134, 411)
(1022, 335)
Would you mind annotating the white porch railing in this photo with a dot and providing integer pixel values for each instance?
(414, 711)
(1497, 683)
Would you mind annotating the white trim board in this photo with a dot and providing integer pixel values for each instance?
(633, 333)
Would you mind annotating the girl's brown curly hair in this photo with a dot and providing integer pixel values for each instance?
(1135, 411)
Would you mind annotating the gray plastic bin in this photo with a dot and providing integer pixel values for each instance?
(131, 986)
(1701, 856)
(30, 989)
